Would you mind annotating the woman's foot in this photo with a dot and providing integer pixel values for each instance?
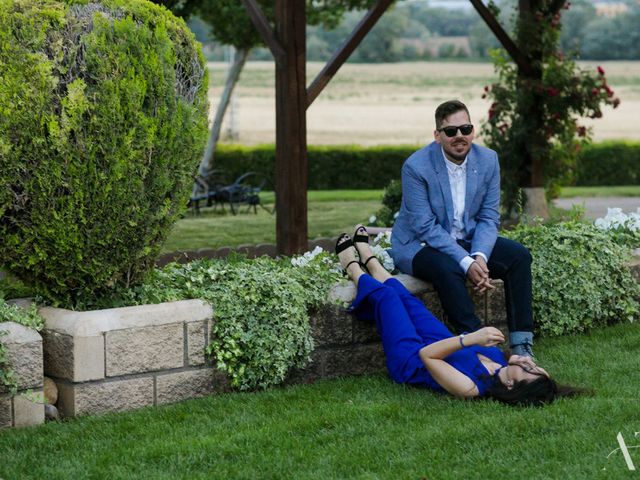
(361, 242)
(368, 260)
(347, 256)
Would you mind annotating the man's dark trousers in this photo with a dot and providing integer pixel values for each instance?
(509, 261)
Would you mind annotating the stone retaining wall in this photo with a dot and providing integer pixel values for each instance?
(125, 358)
(346, 346)
(24, 352)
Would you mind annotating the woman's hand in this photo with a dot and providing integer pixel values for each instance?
(486, 337)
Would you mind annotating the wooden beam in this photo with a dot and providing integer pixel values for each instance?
(262, 25)
(508, 44)
(346, 49)
(291, 129)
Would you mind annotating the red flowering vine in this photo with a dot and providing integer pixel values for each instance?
(558, 97)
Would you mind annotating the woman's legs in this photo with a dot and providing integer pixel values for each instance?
(400, 341)
(428, 327)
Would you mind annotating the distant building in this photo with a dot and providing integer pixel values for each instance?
(610, 9)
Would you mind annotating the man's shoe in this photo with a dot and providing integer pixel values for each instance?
(521, 343)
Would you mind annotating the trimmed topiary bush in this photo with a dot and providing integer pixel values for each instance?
(103, 119)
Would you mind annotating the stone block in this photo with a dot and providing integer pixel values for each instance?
(197, 339)
(312, 372)
(77, 359)
(354, 360)
(364, 331)
(331, 325)
(27, 410)
(175, 387)
(479, 304)
(104, 396)
(496, 312)
(136, 350)
(6, 411)
(24, 354)
(75, 347)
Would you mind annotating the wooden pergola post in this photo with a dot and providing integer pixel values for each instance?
(287, 43)
(291, 128)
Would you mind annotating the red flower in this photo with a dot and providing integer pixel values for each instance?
(486, 88)
(600, 70)
(582, 131)
(594, 92)
(553, 92)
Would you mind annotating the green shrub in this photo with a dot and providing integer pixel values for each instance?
(103, 117)
(580, 277)
(330, 167)
(261, 306)
(612, 162)
(605, 163)
(391, 202)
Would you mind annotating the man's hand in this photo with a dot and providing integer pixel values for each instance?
(478, 273)
(486, 337)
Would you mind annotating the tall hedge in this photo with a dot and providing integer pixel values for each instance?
(614, 162)
(353, 167)
(103, 118)
(330, 167)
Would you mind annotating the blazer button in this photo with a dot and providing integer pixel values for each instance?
(422, 244)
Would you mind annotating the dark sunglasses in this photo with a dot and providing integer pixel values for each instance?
(451, 131)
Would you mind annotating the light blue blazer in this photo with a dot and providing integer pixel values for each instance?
(426, 214)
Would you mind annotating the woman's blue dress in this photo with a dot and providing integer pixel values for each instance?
(406, 326)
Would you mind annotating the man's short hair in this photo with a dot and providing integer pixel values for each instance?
(449, 108)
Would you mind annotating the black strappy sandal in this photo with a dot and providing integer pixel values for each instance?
(341, 247)
(358, 237)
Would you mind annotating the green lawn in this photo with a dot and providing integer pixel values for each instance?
(607, 191)
(330, 213)
(364, 428)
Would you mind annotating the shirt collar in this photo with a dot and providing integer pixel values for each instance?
(454, 166)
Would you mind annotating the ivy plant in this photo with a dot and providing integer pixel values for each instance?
(27, 317)
(580, 277)
(261, 310)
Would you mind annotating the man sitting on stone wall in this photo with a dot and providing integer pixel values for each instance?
(447, 229)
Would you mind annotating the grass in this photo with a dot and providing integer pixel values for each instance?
(603, 191)
(330, 213)
(327, 217)
(364, 428)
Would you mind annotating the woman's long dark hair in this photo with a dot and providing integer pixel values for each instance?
(541, 391)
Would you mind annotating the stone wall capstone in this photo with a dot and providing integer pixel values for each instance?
(24, 354)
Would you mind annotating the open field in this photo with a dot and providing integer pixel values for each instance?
(371, 104)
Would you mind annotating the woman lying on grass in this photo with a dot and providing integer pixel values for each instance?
(421, 351)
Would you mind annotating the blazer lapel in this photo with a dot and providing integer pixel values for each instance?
(443, 178)
(472, 185)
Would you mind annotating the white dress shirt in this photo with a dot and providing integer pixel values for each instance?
(458, 183)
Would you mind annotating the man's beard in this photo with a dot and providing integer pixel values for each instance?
(459, 157)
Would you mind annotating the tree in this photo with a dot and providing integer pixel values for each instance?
(232, 26)
(575, 24)
(533, 119)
